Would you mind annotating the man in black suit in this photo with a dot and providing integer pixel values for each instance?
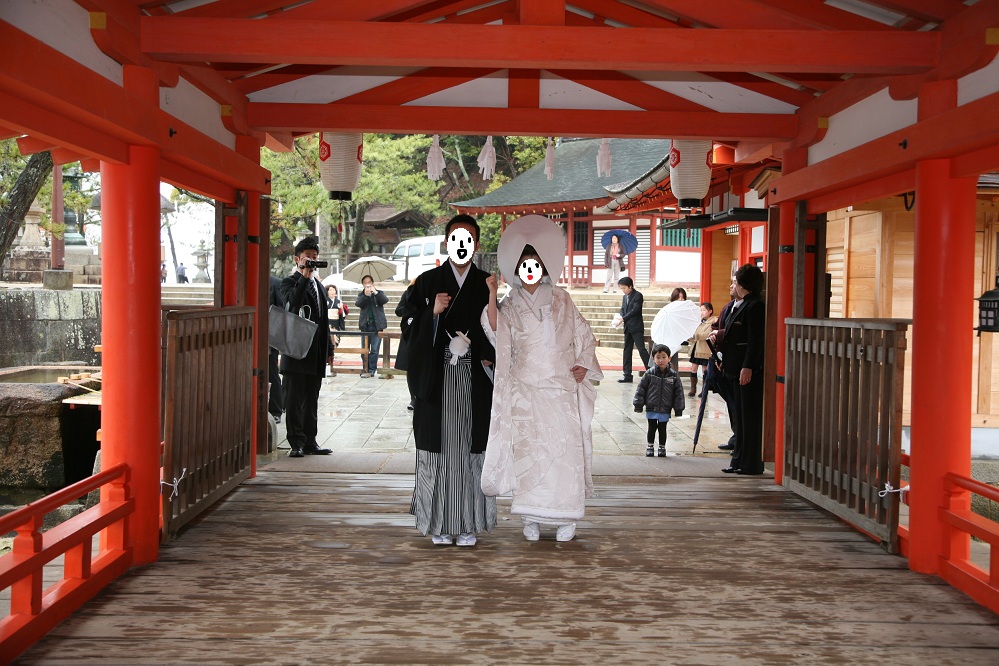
(275, 401)
(742, 336)
(634, 326)
(304, 377)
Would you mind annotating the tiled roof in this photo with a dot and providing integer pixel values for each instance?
(575, 174)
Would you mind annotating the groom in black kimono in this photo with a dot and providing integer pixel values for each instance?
(450, 379)
(437, 290)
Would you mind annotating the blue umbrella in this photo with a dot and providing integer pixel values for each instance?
(625, 239)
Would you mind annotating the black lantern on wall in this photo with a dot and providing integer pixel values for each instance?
(988, 312)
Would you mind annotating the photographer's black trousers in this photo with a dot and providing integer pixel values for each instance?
(302, 409)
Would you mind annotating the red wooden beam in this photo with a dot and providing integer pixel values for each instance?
(416, 85)
(821, 15)
(234, 8)
(628, 89)
(626, 14)
(53, 98)
(933, 11)
(519, 122)
(744, 14)
(526, 46)
(967, 129)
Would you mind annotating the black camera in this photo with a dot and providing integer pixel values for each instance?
(315, 263)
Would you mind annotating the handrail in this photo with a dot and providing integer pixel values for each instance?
(977, 487)
(35, 610)
(49, 503)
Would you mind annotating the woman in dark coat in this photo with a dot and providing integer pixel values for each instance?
(740, 337)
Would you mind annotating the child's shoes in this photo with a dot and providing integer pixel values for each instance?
(649, 452)
(662, 451)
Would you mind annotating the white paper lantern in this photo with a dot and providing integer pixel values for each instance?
(690, 171)
(340, 158)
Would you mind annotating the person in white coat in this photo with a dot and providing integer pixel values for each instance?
(540, 440)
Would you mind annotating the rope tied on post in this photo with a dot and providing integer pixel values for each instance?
(175, 484)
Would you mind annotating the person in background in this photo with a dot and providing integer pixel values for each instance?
(405, 312)
(742, 336)
(700, 353)
(678, 294)
(304, 377)
(615, 260)
(634, 327)
(659, 392)
(371, 319)
(275, 398)
(338, 319)
(181, 274)
(163, 272)
(338, 309)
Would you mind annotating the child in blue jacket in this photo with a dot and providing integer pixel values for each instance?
(658, 392)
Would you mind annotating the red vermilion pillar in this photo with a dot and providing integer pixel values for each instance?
(130, 321)
(943, 309)
(784, 265)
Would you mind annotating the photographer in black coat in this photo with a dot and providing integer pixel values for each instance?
(304, 377)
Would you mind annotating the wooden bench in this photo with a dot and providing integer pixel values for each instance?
(363, 350)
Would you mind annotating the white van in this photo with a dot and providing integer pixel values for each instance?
(416, 255)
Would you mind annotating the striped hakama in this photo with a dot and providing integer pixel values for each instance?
(447, 497)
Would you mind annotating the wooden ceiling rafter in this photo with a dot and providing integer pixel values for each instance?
(743, 14)
(520, 121)
(236, 8)
(541, 47)
(622, 13)
(930, 11)
(631, 90)
(415, 86)
(822, 16)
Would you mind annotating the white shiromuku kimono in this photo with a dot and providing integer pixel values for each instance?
(540, 441)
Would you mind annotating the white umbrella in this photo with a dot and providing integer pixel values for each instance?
(379, 269)
(675, 323)
(341, 284)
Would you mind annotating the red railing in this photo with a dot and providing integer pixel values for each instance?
(957, 569)
(34, 610)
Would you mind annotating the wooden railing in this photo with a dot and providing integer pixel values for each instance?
(208, 408)
(34, 610)
(957, 569)
(843, 418)
(575, 276)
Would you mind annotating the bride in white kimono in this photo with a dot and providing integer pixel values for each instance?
(540, 442)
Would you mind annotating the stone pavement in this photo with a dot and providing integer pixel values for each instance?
(366, 424)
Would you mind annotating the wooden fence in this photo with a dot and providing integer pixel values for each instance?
(843, 418)
(207, 409)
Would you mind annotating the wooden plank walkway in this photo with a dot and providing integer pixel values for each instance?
(320, 568)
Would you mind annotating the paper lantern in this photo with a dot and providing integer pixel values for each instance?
(690, 171)
(340, 157)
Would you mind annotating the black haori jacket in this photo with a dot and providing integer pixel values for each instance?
(426, 352)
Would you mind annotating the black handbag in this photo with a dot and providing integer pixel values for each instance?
(290, 333)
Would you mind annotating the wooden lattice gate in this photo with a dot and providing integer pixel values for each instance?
(843, 418)
(207, 409)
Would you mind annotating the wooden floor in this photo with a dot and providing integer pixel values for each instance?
(313, 568)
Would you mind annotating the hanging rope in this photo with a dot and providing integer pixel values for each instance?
(435, 159)
(487, 160)
(175, 484)
(550, 159)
